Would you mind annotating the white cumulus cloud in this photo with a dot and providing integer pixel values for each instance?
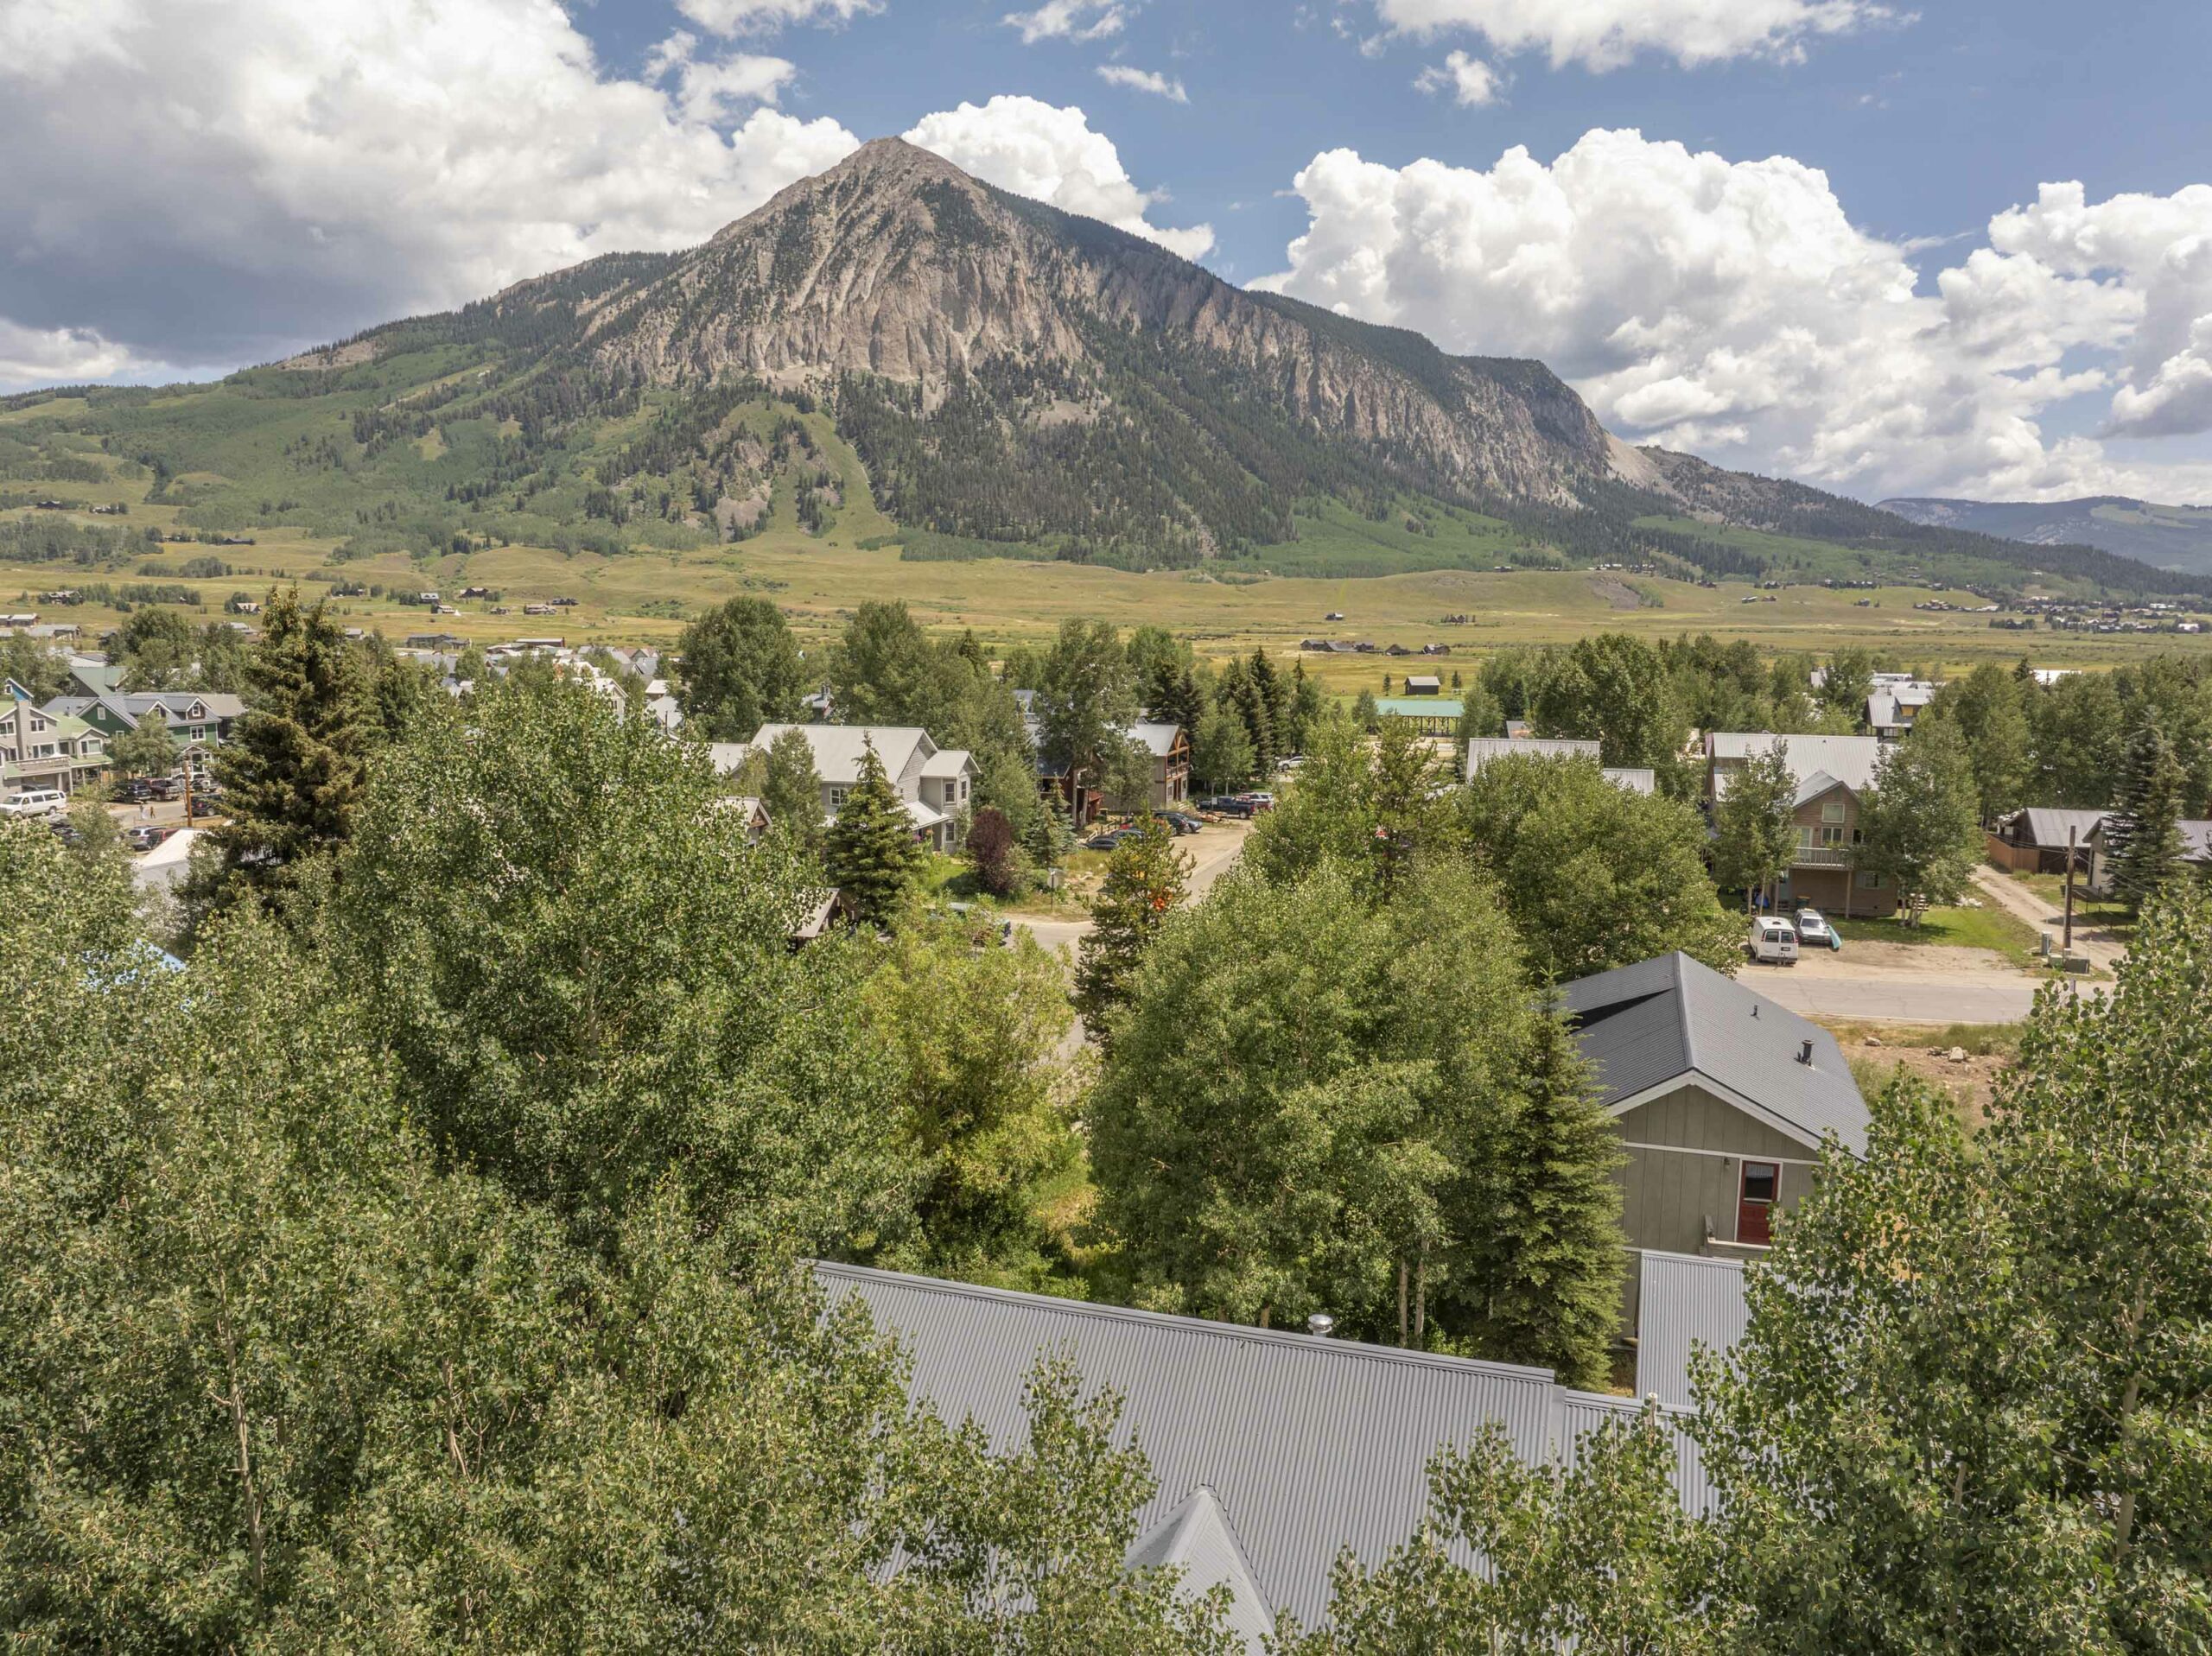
(1069, 20)
(1732, 308)
(1039, 150)
(1470, 81)
(296, 172)
(765, 16)
(1143, 80)
(1603, 34)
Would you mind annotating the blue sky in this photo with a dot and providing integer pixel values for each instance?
(1963, 249)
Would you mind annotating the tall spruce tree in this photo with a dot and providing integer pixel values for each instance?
(870, 853)
(1144, 881)
(2143, 843)
(294, 776)
(1550, 1273)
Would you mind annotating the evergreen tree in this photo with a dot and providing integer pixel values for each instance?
(1549, 1276)
(2143, 842)
(1052, 834)
(791, 788)
(1144, 881)
(870, 853)
(293, 777)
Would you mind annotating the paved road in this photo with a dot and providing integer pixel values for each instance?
(1923, 997)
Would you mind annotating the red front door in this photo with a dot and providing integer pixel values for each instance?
(1755, 1203)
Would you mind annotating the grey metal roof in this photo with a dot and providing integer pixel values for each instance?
(838, 748)
(1684, 1302)
(1584, 1413)
(1848, 759)
(2048, 826)
(1637, 778)
(1157, 739)
(1670, 1018)
(1197, 1538)
(1482, 749)
(1309, 1445)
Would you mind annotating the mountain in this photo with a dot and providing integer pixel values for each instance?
(2170, 537)
(896, 352)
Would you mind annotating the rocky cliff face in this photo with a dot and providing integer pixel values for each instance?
(898, 265)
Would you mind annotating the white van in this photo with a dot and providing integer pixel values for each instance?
(1773, 940)
(35, 802)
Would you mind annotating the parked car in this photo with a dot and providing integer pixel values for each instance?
(1814, 931)
(134, 790)
(1223, 805)
(1773, 941)
(1181, 821)
(1286, 766)
(1107, 840)
(144, 836)
(162, 788)
(1258, 799)
(36, 802)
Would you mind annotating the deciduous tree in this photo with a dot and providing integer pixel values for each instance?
(1144, 881)
(1920, 824)
(739, 669)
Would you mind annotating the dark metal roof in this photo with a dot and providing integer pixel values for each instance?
(2047, 827)
(1308, 1445)
(1685, 1302)
(1670, 1018)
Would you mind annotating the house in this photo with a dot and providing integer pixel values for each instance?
(753, 810)
(827, 911)
(2196, 851)
(1833, 774)
(1517, 730)
(1423, 684)
(1271, 1451)
(198, 721)
(664, 711)
(1724, 1100)
(1481, 750)
(2036, 840)
(1170, 748)
(1432, 715)
(40, 749)
(1892, 706)
(936, 783)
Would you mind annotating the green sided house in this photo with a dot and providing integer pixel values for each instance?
(1724, 1100)
(42, 749)
(198, 721)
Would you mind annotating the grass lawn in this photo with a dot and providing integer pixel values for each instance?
(1983, 928)
(2107, 916)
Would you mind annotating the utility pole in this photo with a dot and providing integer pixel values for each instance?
(2067, 947)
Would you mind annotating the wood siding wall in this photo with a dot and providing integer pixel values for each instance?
(1690, 1168)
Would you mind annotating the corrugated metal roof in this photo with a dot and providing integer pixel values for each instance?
(1647, 1024)
(1197, 1538)
(1309, 1445)
(1584, 1413)
(1685, 1302)
(837, 748)
(1482, 749)
(1419, 707)
(1637, 778)
(1158, 740)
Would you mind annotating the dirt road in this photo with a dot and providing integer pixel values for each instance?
(1212, 851)
(2102, 950)
(1899, 983)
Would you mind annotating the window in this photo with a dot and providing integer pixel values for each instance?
(1869, 880)
(963, 787)
(1762, 1183)
(1832, 810)
(838, 797)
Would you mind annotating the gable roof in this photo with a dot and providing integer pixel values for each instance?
(2048, 826)
(837, 748)
(1647, 1026)
(1158, 740)
(1481, 750)
(1307, 1445)
(1197, 1538)
(1825, 759)
(1684, 1301)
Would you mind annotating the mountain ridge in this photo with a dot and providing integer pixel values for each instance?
(999, 377)
(2167, 536)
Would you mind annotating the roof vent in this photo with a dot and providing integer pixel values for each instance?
(1320, 1325)
(1805, 1052)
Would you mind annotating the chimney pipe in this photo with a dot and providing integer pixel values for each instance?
(1320, 1325)
(1805, 1052)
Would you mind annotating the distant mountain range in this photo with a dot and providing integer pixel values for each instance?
(896, 343)
(2168, 537)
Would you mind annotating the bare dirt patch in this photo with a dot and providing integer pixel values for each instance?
(1616, 593)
